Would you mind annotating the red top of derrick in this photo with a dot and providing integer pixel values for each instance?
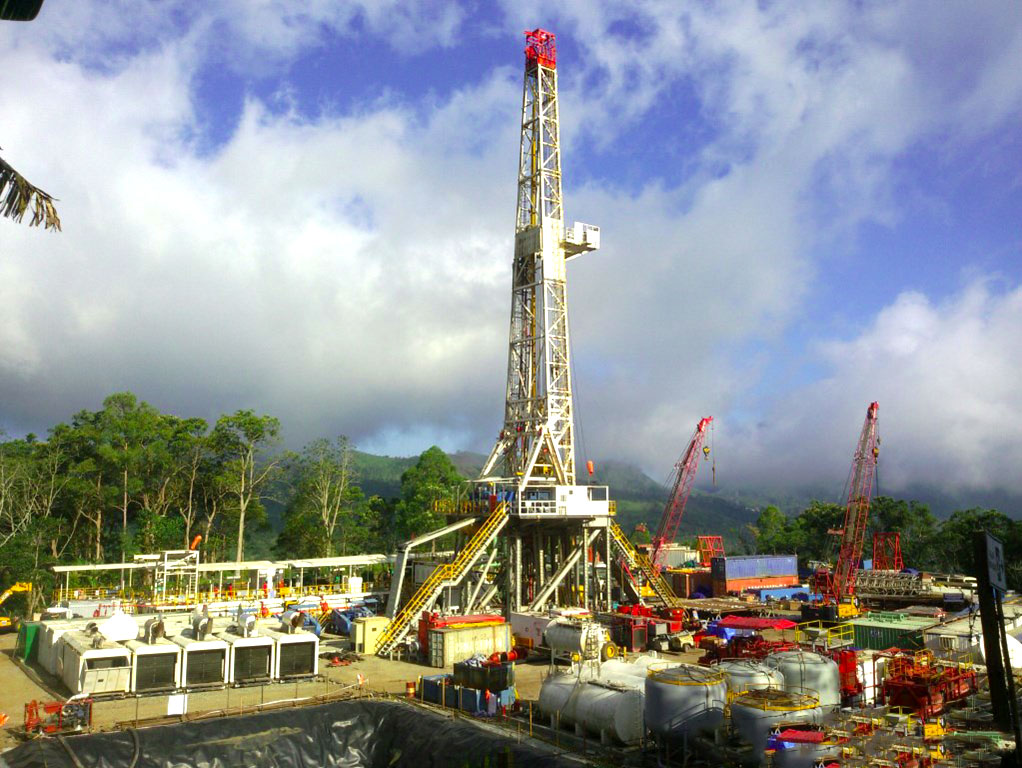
(541, 47)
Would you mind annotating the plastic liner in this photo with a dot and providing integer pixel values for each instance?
(345, 734)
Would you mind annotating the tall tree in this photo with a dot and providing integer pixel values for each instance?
(326, 492)
(433, 477)
(240, 440)
(772, 532)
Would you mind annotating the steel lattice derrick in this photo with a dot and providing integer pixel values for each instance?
(536, 444)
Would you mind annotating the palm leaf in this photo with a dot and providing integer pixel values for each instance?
(17, 196)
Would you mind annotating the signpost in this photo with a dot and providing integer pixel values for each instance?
(990, 571)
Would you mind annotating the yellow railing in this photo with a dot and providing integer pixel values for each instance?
(441, 574)
(638, 560)
(816, 633)
(204, 596)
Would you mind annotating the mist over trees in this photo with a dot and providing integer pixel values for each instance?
(128, 479)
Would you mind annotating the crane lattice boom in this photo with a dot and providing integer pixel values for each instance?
(685, 475)
(853, 534)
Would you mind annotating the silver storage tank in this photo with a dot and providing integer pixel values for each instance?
(576, 637)
(609, 709)
(757, 713)
(616, 670)
(798, 755)
(743, 675)
(684, 699)
(809, 672)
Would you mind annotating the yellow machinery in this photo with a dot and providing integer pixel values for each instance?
(6, 622)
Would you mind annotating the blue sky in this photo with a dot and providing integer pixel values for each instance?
(307, 210)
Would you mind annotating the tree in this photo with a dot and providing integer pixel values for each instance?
(239, 441)
(433, 477)
(810, 533)
(915, 524)
(326, 497)
(772, 532)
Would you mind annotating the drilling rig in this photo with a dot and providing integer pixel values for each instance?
(536, 533)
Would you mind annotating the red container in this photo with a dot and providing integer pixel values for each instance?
(722, 587)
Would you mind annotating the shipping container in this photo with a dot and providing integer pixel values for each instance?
(880, 631)
(753, 566)
(451, 644)
(722, 588)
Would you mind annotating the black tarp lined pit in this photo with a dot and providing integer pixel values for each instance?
(344, 734)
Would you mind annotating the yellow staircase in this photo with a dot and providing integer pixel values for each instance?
(638, 561)
(443, 575)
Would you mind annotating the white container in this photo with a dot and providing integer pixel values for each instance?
(94, 665)
(610, 710)
(250, 659)
(684, 699)
(744, 675)
(204, 662)
(805, 671)
(49, 646)
(757, 713)
(448, 645)
(155, 666)
(296, 654)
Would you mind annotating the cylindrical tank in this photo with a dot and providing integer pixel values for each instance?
(743, 675)
(758, 712)
(617, 671)
(806, 755)
(646, 661)
(809, 672)
(683, 699)
(581, 637)
(637, 666)
(604, 708)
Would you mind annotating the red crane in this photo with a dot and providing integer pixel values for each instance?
(838, 585)
(685, 475)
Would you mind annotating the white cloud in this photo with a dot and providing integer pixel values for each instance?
(350, 272)
(945, 375)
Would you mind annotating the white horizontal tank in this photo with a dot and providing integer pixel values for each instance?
(612, 710)
(805, 671)
(684, 699)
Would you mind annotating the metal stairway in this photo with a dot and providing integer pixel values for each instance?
(444, 575)
(638, 561)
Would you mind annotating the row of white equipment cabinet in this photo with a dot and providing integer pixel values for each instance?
(117, 656)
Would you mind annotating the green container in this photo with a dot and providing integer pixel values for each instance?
(880, 631)
(27, 647)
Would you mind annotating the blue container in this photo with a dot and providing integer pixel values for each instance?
(753, 566)
(781, 593)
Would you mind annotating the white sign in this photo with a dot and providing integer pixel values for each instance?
(995, 563)
(177, 704)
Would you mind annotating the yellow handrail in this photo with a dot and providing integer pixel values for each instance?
(442, 573)
(637, 559)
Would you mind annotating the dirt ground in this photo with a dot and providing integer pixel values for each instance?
(20, 685)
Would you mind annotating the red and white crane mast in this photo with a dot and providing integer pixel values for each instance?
(841, 586)
(685, 475)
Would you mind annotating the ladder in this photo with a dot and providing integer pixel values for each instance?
(638, 561)
(444, 575)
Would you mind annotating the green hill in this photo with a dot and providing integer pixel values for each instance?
(639, 497)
